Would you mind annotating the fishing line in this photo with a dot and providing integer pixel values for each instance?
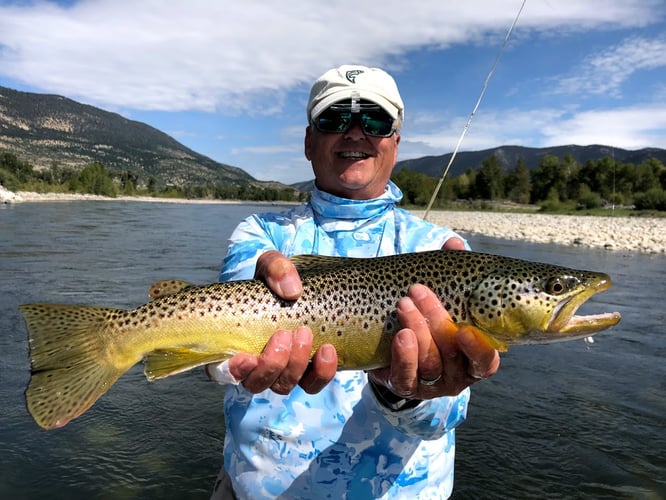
(476, 106)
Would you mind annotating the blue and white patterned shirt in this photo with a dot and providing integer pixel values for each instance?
(341, 442)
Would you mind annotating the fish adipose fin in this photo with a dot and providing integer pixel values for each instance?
(162, 288)
(70, 368)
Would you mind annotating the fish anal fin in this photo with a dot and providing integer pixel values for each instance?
(162, 288)
(162, 363)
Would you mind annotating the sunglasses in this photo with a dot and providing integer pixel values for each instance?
(337, 119)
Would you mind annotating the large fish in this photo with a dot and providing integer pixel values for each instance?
(78, 352)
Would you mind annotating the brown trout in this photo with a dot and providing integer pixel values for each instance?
(78, 352)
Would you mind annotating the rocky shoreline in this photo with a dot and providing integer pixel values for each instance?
(7, 197)
(635, 234)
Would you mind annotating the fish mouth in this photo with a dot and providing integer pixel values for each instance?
(566, 322)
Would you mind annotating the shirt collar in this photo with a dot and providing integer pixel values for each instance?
(329, 206)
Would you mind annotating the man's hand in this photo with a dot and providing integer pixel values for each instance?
(285, 361)
(431, 355)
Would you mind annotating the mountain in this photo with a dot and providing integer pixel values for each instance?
(42, 129)
(509, 155)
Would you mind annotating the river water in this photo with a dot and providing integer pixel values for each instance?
(569, 420)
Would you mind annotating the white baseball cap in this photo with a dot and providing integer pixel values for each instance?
(355, 82)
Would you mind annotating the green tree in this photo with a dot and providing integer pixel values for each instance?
(463, 185)
(654, 199)
(93, 179)
(417, 188)
(587, 198)
(519, 186)
(489, 182)
(647, 175)
(548, 180)
(13, 172)
(152, 184)
(128, 182)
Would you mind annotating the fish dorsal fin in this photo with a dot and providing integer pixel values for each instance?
(307, 264)
(162, 288)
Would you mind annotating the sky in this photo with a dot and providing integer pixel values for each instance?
(230, 79)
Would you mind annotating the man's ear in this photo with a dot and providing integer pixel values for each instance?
(397, 142)
(307, 142)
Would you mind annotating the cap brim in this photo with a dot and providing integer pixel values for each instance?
(347, 93)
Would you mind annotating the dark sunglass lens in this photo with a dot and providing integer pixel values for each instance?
(374, 122)
(377, 123)
(333, 121)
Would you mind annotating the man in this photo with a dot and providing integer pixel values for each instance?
(299, 429)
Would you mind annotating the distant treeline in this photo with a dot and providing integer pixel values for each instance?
(555, 184)
(18, 175)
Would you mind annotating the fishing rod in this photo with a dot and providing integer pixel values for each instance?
(471, 116)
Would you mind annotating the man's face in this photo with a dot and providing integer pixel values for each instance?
(351, 164)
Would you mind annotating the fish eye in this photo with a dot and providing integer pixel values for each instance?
(559, 285)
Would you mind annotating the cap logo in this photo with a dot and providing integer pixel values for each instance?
(352, 74)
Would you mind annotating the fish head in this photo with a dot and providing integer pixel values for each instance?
(533, 303)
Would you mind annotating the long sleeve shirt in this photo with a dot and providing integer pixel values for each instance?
(341, 442)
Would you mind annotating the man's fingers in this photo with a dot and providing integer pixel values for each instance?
(483, 359)
(405, 363)
(301, 346)
(280, 275)
(321, 370)
(411, 317)
(441, 329)
(285, 363)
(271, 362)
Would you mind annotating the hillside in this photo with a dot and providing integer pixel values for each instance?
(42, 129)
(509, 155)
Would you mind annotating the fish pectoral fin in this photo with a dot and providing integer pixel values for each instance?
(162, 363)
(162, 288)
(490, 341)
(495, 343)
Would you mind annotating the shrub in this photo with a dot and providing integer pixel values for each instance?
(654, 199)
(589, 200)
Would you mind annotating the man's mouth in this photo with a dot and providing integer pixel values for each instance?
(353, 155)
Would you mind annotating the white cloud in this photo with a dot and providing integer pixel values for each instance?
(631, 127)
(239, 56)
(605, 72)
(265, 150)
(288, 171)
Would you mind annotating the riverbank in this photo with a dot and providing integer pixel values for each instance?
(636, 234)
(32, 197)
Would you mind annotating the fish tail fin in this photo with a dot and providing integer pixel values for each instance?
(69, 359)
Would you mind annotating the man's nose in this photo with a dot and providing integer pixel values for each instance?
(355, 131)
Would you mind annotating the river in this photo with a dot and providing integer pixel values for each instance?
(569, 420)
